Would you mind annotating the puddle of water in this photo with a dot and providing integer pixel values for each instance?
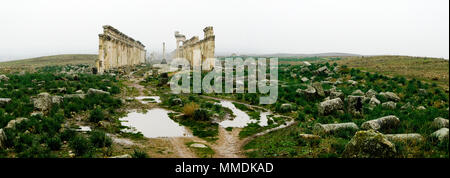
(242, 119)
(263, 118)
(155, 123)
(148, 99)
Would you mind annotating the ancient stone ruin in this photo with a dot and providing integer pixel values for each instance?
(117, 49)
(194, 47)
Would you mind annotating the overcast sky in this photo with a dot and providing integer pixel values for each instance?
(370, 27)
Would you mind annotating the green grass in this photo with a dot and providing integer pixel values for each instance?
(61, 60)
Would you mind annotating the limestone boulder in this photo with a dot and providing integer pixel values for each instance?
(322, 70)
(352, 82)
(386, 122)
(390, 96)
(319, 89)
(405, 138)
(95, 91)
(369, 144)
(12, 123)
(309, 136)
(306, 63)
(304, 79)
(330, 106)
(69, 96)
(441, 134)
(421, 108)
(358, 93)
(43, 102)
(406, 106)
(309, 92)
(2, 139)
(371, 93)
(440, 123)
(389, 105)
(57, 99)
(286, 107)
(337, 94)
(176, 101)
(374, 102)
(334, 128)
(304, 70)
(355, 105)
(4, 101)
(4, 78)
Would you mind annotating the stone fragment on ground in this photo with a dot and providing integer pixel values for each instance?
(369, 144)
(390, 96)
(334, 128)
(386, 122)
(309, 136)
(441, 134)
(96, 91)
(440, 123)
(330, 106)
(406, 138)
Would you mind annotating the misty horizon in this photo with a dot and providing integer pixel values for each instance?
(413, 28)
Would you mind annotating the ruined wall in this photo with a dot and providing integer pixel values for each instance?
(206, 46)
(117, 49)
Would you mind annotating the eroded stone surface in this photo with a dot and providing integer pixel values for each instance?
(369, 144)
(330, 106)
(381, 123)
(333, 128)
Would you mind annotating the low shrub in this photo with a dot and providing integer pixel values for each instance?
(99, 139)
(97, 115)
(80, 145)
(139, 154)
(54, 143)
(189, 109)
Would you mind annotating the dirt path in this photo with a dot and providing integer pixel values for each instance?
(180, 148)
(228, 145)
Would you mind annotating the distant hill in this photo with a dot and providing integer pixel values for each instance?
(65, 59)
(294, 55)
(424, 68)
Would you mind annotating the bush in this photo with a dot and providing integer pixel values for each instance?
(139, 154)
(189, 109)
(80, 145)
(54, 143)
(97, 115)
(201, 115)
(67, 134)
(99, 139)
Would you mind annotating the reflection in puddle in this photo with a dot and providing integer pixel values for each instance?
(155, 123)
(242, 119)
(148, 99)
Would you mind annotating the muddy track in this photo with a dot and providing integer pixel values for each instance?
(181, 149)
(228, 145)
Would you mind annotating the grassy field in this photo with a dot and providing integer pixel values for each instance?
(425, 69)
(32, 63)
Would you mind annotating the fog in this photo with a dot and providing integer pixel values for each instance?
(369, 27)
